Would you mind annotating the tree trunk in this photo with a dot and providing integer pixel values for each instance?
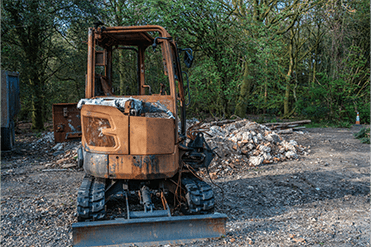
(244, 93)
(286, 109)
(38, 116)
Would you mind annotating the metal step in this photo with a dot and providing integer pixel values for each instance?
(149, 231)
(154, 213)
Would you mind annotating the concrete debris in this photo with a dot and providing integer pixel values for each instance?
(256, 160)
(58, 147)
(61, 155)
(47, 137)
(291, 155)
(247, 144)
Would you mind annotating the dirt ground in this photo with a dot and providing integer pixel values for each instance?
(322, 199)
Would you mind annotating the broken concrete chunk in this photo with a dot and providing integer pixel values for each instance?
(267, 156)
(256, 160)
(259, 136)
(250, 146)
(291, 155)
(58, 147)
(288, 146)
(294, 143)
(264, 148)
(273, 137)
(246, 136)
(239, 136)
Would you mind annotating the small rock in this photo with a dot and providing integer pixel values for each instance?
(256, 160)
(58, 147)
(259, 136)
(291, 154)
(267, 156)
(288, 146)
(68, 165)
(292, 142)
(264, 148)
(58, 153)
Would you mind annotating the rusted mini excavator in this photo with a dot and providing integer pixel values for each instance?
(131, 147)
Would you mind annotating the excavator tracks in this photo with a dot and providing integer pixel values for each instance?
(198, 223)
(199, 195)
(91, 199)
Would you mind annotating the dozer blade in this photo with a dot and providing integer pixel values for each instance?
(149, 231)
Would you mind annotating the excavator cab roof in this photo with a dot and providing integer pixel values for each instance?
(128, 36)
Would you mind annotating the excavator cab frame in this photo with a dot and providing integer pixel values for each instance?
(112, 38)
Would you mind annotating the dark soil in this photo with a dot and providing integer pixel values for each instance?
(322, 199)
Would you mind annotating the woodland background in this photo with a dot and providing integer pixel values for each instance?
(282, 59)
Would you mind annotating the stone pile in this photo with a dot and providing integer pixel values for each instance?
(247, 144)
(46, 138)
(61, 155)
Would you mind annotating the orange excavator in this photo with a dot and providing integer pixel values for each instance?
(136, 146)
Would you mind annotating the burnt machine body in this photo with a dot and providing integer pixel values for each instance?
(121, 142)
(132, 145)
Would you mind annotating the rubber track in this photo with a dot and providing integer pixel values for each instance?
(199, 196)
(91, 199)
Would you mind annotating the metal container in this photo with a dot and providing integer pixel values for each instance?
(10, 106)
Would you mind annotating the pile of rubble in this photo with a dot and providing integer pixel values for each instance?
(61, 155)
(65, 155)
(247, 144)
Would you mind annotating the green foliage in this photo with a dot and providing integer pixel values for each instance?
(208, 90)
(250, 57)
(214, 37)
(333, 100)
(363, 135)
(328, 124)
(35, 43)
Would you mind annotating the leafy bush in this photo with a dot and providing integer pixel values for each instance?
(363, 135)
(333, 100)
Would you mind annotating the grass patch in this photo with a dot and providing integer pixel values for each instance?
(341, 124)
(363, 135)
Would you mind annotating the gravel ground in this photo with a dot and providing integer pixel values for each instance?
(322, 199)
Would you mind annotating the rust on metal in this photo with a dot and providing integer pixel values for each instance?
(138, 147)
(66, 122)
(93, 129)
(145, 232)
(105, 129)
(151, 136)
(143, 166)
(90, 75)
(133, 140)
